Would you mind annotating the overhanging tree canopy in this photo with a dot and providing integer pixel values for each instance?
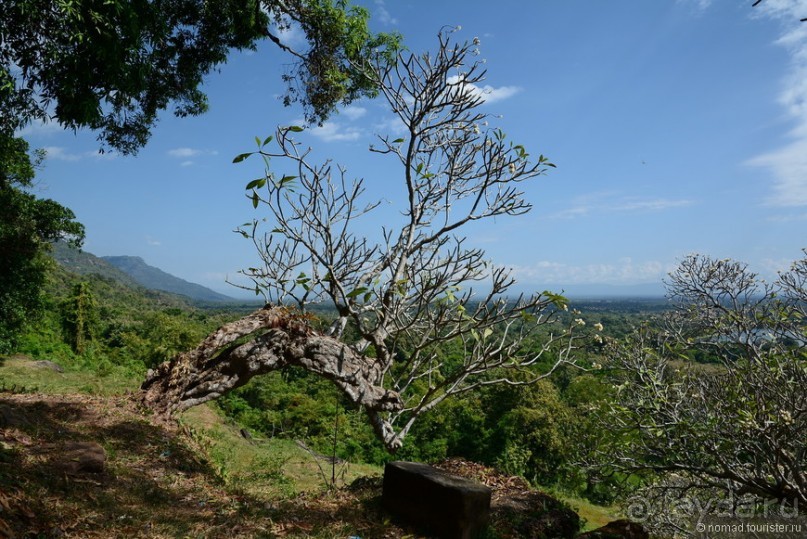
(113, 65)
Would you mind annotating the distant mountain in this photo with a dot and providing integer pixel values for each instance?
(156, 279)
(133, 272)
(84, 263)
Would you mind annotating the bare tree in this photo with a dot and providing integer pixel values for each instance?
(711, 405)
(407, 296)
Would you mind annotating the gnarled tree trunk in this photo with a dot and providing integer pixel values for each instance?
(266, 340)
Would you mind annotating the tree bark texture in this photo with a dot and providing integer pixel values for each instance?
(266, 340)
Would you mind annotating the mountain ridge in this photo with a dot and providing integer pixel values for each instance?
(157, 279)
(133, 272)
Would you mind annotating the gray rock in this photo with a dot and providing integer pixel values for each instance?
(445, 505)
(45, 364)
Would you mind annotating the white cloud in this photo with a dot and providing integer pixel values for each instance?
(489, 94)
(789, 163)
(184, 152)
(335, 132)
(501, 93)
(383, 14)
(771, 267)
(151, 241)
(353, 112)
(61, 154)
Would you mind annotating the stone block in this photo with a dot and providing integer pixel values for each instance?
(444, 505)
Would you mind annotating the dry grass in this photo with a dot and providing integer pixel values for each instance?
(155, 483)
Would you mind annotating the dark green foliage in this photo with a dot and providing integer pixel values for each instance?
(521, 430)
(298, 405)
(27, 226)
(335, 69)
(132, 328)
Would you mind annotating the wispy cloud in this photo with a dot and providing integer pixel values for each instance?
(789, 166)
(609, 203)
(789, 163)
(788, 217)
(383, 14)
(60, 153)
(698, 4)
(153, 242)
(489, 94)
(651, 204)
(391, 125)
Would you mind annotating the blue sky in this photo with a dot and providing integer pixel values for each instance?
(676, 127)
